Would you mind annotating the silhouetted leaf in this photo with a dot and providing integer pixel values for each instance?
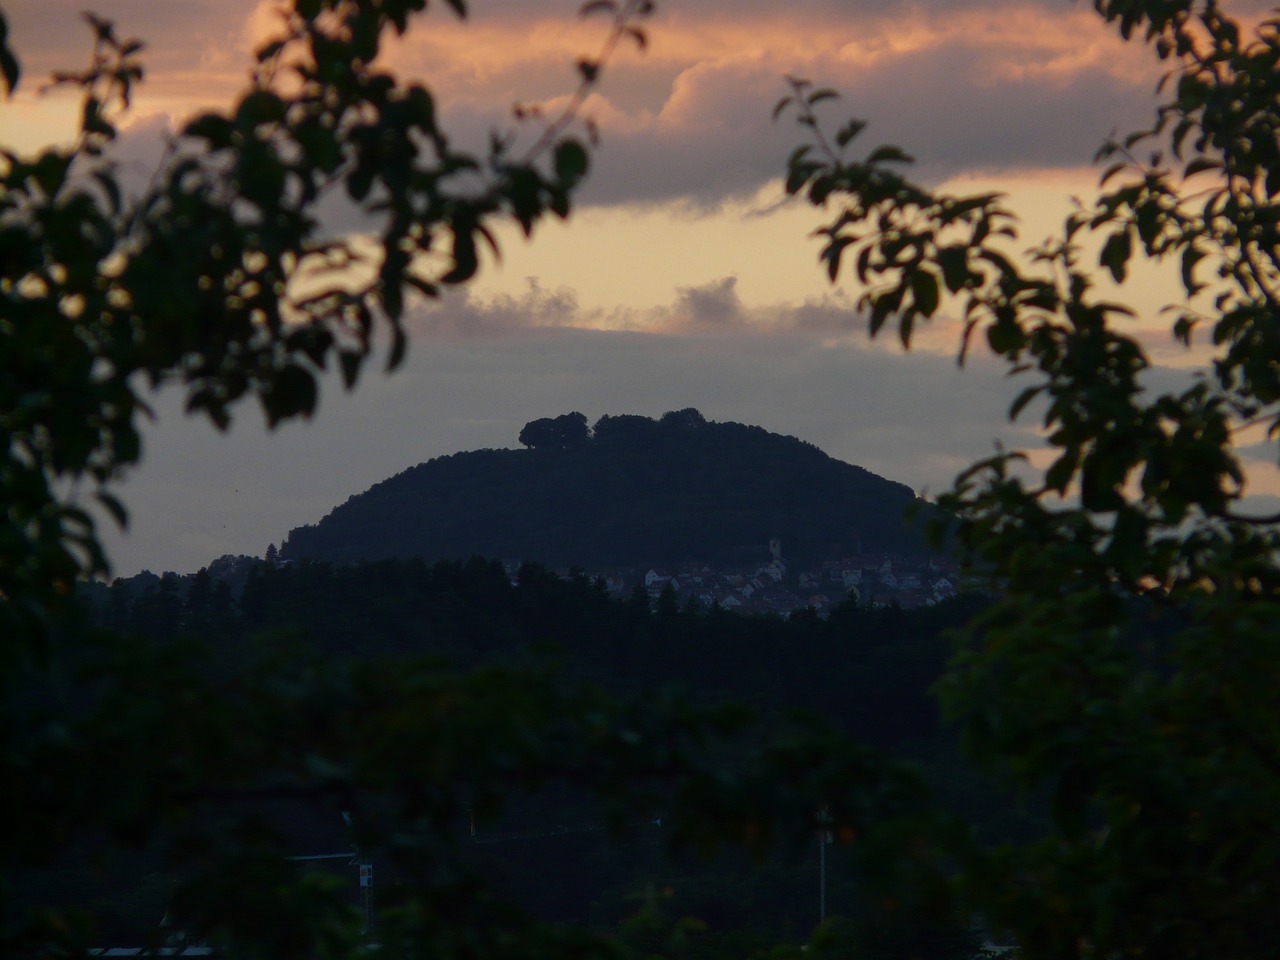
(9, 66)
(570, 161)
(1115, 254)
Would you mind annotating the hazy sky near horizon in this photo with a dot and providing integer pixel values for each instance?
(681, 280)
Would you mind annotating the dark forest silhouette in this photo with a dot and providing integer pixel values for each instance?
(629, 490)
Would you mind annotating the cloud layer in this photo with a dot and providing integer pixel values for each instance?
(964, 86)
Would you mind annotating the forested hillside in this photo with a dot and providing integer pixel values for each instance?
(868, 670)
(630, 490)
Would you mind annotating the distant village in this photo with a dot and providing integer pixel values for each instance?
(869, 579)
(768, 587)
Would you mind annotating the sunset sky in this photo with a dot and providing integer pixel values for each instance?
(682, 279)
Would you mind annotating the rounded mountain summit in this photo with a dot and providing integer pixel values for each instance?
(628, 491)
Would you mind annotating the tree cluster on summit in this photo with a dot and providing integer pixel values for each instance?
(570, 430)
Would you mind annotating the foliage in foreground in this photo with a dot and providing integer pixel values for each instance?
(221, 274)
(1161, 760)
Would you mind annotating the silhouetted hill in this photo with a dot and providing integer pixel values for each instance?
(629, 491)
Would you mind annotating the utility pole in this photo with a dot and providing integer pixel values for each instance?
(824, 838)
(364, 868)
(366, 892)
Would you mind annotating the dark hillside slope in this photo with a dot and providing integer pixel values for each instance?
(631, 491)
